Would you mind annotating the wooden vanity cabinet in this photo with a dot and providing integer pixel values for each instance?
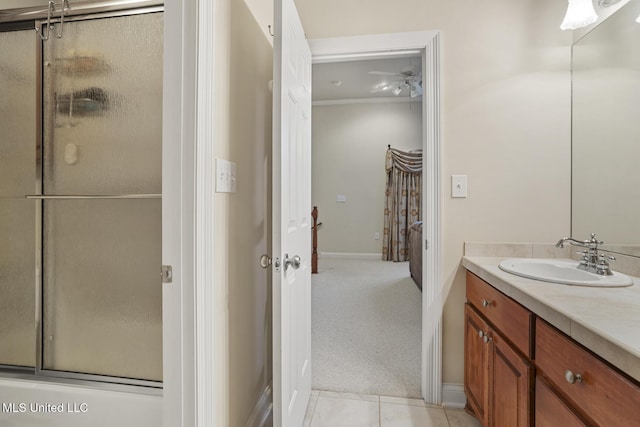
(498, 372)
(567, 384)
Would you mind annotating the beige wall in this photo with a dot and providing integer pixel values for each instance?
(349, 147)
(244, 67)
(505, 117)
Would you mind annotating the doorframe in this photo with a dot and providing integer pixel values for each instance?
(194, 304)
(428, 43)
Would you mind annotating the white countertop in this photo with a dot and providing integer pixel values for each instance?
(605, 320)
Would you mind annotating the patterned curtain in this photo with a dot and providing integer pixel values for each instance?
(402, 202)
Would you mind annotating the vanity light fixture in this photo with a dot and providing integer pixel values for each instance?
(580, 13)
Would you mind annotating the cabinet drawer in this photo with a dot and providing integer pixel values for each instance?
(609, 398)
(509, 317)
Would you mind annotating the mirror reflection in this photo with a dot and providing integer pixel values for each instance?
(605, 132)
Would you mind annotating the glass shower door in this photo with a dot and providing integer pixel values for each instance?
(101, 205)
(17, 215)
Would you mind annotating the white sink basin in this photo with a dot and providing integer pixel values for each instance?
(562, 272)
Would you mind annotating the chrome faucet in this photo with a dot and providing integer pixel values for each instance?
(591, 260)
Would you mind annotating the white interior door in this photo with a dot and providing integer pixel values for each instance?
(291, 218)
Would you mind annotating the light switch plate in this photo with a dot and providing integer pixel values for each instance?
(458, 186)
(225, 176)
(341, 198)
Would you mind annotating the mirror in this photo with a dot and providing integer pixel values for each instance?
(606, 132)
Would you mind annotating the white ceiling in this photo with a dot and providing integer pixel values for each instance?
(356, 82)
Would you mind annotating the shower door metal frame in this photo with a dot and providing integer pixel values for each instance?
(106, 10)
(81, 8)
(10, 25)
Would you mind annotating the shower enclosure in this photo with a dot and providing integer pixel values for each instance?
(80, 197)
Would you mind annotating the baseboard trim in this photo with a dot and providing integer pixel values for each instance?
(453, 395)
(262, 410)
(349, 255)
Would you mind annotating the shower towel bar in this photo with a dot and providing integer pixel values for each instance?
(108, 196)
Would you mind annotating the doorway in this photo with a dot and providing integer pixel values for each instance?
(366, 313)
(427, 45)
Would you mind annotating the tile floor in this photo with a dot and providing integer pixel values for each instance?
(330, 409)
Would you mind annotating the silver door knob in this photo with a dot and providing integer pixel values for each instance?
(291, 262)
(265, 261)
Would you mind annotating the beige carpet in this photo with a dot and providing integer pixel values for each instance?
(366, 328)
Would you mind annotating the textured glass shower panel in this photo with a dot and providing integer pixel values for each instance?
(103, 107)
(17, 215)
(102, 288)
(102, 291)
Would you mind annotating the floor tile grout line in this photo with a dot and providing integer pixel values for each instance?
(315, 406)
(446, 416)
(349, 398)
(379, 399)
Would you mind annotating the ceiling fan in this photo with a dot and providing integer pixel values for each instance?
(407, 78)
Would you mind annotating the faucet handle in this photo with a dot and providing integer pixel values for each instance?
(602, 267)
(584, 253)
(584, 260)
(604, 258)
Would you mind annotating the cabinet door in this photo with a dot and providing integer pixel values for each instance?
(476, 362)
(510, 386)
(551, 411)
